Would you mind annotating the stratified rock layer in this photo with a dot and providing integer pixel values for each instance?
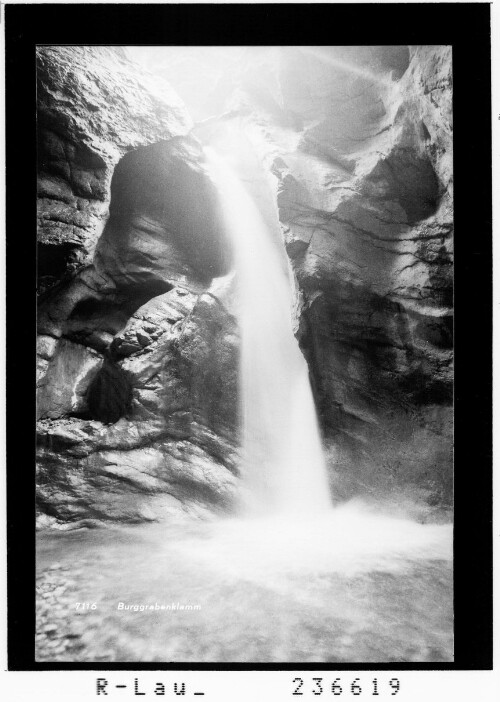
(160, 420)
(366, 205)
(136, 364)
(93, 107)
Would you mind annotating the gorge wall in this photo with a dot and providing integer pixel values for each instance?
(138, 343)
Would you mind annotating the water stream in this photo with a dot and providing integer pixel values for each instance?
(283, 461)
(291, 578)
(352, 585)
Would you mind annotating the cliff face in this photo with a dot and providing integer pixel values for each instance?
(366, 205)
(92, 107)
(137, 361)
(138, 345)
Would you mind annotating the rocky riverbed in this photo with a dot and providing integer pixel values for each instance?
(357, 586)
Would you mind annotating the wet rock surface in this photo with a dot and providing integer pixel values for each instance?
(94, 105)
(164, 222)
(58, 631)
(129, 346)
(138, 346)
(158, 416)
(366, 205)
(364, 194)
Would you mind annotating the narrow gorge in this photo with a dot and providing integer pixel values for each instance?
(138, 342)
(245, 298)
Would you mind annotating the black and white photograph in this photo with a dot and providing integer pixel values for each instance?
(245, 353)
(254, 441)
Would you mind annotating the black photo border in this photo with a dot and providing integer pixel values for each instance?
(465, 26)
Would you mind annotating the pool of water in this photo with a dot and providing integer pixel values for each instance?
(350, 585)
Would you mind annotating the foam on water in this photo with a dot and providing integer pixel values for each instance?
(349, 539)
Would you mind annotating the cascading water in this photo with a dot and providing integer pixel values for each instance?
(362, 581)
(283, 460)
(339, 584)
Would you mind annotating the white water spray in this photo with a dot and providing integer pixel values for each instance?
(283, 462)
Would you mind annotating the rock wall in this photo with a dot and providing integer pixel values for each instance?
(137, 359)
(138, 345)
(367, 211)
(93, 106)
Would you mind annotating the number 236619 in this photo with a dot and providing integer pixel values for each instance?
(356, 687)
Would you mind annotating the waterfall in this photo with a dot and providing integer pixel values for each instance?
(283, 464)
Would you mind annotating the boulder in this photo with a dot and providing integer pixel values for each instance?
(65, 379)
